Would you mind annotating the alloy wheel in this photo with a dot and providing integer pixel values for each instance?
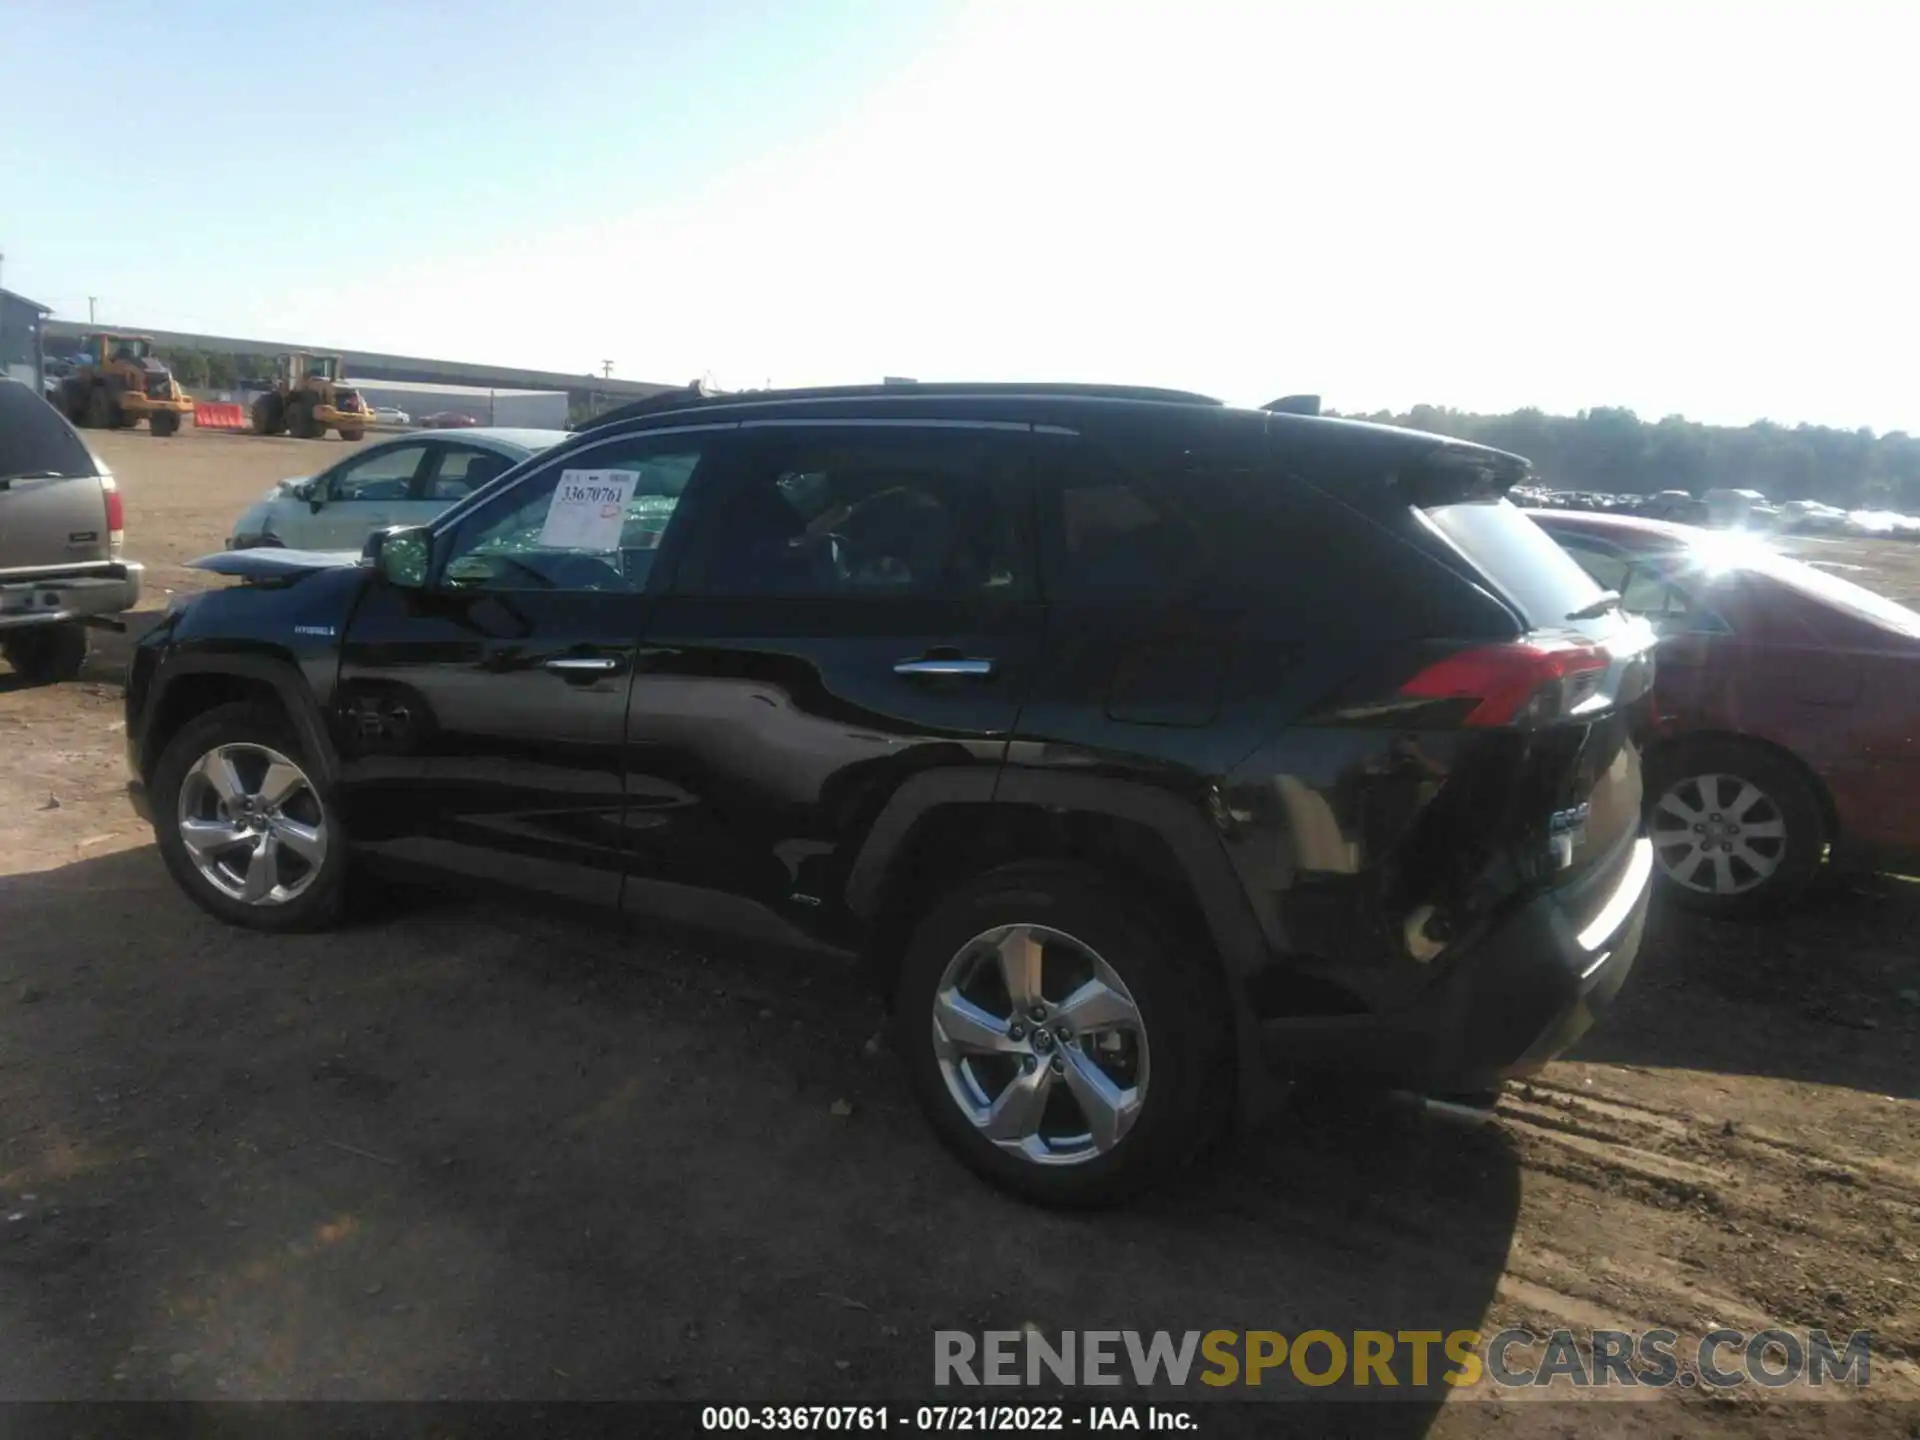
(1718, 834)
(1041, 1044)
(252, 824)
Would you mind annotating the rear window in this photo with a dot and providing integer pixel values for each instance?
(35, 440)
(1518, 558)
(1842, 594)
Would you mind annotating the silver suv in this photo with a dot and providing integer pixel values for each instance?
(61, 526)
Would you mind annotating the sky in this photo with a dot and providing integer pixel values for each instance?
(1684, 207)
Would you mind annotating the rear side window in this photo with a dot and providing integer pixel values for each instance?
(35, 439)
(876, 513)
(1110, 533)
(1518, 558)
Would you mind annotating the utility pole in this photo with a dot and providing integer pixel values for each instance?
(91, 301)
(606, 369)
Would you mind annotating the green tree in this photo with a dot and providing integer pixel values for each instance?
(189, 366)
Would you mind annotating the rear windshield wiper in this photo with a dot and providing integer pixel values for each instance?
(1607, 601)
(6, 480)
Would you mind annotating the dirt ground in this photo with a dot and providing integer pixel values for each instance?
(472, 1152)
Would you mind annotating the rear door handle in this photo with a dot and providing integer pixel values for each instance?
(945, 665)
(585, 667)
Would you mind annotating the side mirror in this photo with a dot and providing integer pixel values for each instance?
(401, 555)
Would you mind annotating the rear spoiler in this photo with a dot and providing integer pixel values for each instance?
(672, 399)
(1455, 474)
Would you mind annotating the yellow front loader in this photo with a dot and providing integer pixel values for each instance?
(309, 398)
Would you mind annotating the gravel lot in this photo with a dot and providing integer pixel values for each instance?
(479, 1153)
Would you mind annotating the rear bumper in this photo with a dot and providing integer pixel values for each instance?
(1515, 998)
(48, 600)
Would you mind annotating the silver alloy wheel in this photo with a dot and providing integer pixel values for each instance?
(1041, 1044)
(252, 824)
(1718, 834)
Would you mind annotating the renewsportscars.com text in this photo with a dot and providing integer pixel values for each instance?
(1317, 1359)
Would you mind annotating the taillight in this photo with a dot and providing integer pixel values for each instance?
(1527, 682)
(116, 516)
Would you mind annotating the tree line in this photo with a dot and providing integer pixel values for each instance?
(1614, 451)
(216, 368)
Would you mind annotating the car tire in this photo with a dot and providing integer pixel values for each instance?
(255, 740)
(1737, 829)
(1174, 1064)
(48, 654)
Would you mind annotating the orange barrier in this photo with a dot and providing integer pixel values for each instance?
(208, 415)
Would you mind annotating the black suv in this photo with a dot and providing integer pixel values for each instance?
(1147, 749)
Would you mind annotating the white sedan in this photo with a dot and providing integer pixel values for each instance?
(390, 415)
(403, 481)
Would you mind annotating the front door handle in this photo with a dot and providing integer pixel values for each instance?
(585, 667)
(945, 665)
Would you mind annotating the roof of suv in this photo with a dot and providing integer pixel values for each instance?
(695, 398)
(1314, 433)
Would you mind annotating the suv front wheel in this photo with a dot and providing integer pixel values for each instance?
(242, 824)
(1060, 1039)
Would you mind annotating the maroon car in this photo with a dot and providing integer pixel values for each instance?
(1787, 710)
(448, 420)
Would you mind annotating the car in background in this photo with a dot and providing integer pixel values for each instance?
(62, 523)
(390, 415)
(449, 420)
(1784, 729)
(403, 481)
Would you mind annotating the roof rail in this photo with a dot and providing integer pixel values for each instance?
(692, 396)
(1294, 405)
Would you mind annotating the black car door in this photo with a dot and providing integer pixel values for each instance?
(856, 608)
(484, 716)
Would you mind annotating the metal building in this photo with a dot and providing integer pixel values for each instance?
(22, 336)
(526, 409)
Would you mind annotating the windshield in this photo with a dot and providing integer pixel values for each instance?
(124, 347)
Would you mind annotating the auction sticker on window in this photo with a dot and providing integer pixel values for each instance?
(588, 510)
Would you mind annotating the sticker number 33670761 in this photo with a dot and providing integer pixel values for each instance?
(588, 510)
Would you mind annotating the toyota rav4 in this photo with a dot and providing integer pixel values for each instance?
(1150, 752)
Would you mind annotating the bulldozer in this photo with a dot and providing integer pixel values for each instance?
(121, 382)
(309, 398)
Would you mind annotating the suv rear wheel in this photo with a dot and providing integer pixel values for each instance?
(1059, 1039)
(242, 825)
(47, 654)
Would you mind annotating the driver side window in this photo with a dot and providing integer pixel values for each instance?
(383, 475)
(592, 521)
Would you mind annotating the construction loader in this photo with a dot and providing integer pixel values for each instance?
(309, 398)
(119, 383)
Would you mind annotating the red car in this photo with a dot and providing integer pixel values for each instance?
(1787, 710)
(448, 420)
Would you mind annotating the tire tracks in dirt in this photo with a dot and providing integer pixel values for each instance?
(1798, 1232)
